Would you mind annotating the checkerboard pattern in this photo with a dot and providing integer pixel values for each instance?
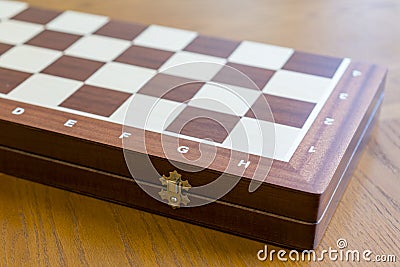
(89, 65)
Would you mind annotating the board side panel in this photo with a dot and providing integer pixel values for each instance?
(346, 174)
(362, 134)
(218, 215)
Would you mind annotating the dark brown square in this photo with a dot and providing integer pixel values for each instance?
(285, 111)
(171, 87)
(144, 57)
(96, 100)
(212, 46)
(54, 40)
(37, 15)
(324, 66)
(203, 124)
(73, 68)
(4, 48)
(233, 75)
(9, 79)
(121, 30)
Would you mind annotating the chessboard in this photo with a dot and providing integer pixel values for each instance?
(82, 89)
(96, 70)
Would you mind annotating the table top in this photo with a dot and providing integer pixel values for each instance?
(48, 226)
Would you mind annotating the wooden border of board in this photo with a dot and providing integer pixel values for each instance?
(265, 226)
(299, 189)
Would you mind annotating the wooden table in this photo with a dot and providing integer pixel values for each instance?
(46, 226)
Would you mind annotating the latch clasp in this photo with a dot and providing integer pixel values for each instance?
(173, 191)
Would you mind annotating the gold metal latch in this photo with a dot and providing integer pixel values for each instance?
(173, 191)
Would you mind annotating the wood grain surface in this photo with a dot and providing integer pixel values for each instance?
(40, 225)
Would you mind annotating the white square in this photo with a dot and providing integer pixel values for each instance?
(28, 58)
(77, 23)
(149, 113)
(122, 77)
(9, 9)
(193, 66)
(96, 47)
(165, 38)
(298, 86)
(261, 55)
(17, 32)
(225, 98)
(45, 90)
(267, 139)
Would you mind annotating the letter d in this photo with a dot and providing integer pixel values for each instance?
(260, 252)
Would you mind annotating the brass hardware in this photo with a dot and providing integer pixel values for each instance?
(173, 191)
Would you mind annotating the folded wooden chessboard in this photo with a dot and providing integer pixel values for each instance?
(87, 103)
